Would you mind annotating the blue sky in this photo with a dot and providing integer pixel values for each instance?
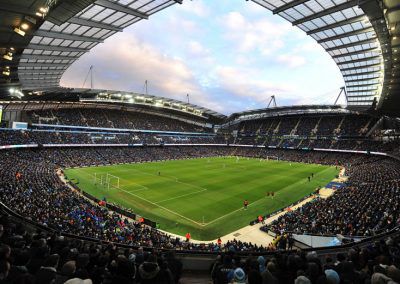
(229, 55)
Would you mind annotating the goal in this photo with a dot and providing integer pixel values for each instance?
(106, 180)
(275, 158)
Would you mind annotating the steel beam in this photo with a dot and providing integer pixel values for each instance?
(355, 52)
(29, 64)
(39, 71)
(288, 5)
(66, 36)
(360, 73)
(362, 96)
(358, 60)
(363, 79)
(348, 34)
(361, 91)
(362, 85)
(328, 11)
(56, 48)
(93, 24)
(120, 8)
(337, 24)
(360, 67)
(371, 40)
(47, 57)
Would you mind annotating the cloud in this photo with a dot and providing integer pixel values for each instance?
(226, 60)
(246, 84)
(197, 8)
(260, 34)
(197, 49)
(291, 60)
(125, 66)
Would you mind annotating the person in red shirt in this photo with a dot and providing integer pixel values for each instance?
(219, 241)
(245, 204)
(260, 219)
(188, 236)
(18, 175)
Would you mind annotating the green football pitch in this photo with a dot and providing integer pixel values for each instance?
(203, 196)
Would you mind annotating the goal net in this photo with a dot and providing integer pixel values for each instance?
(106, 180)
(275, 158)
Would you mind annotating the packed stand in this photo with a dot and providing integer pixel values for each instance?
(17, 137)
(377, 263)
(105, 118)
(29, 256)
(367, 205)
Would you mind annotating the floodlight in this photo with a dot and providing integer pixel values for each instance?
(24, 26)
(19, 31)
(8, 56)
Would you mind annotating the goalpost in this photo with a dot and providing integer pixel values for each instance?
(107, 180)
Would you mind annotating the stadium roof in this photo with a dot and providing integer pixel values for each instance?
(344, 30)
(361, 37)
(127, 98)
(289, 110)
(58, 43)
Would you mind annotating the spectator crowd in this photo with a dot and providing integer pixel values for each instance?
(369, 203)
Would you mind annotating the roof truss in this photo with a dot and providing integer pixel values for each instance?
(56, 48)
(348, 34)
(356, 43)
(362, 91)
(66, 36)
(328, 11)
(337, 24)
(120, 8)
(47, 57)
(358, 60)
(40, 71)
(361, 51)
(360, 73)
(359, 67)
(361, 85)
(363, 79)
(55, 65)
(93, 24)
(288, 5)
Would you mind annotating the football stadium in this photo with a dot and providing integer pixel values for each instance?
(106, 185)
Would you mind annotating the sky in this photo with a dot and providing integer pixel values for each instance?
(228, 55)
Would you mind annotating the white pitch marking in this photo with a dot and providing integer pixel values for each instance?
(183, 195)
(162, 207)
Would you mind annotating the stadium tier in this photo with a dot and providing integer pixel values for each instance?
(108, 186)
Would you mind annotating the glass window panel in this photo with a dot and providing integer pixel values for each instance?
(103, 14)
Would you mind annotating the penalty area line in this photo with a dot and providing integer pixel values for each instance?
(173, 178)
(162, 207)
(183, 195)
(141, 187)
